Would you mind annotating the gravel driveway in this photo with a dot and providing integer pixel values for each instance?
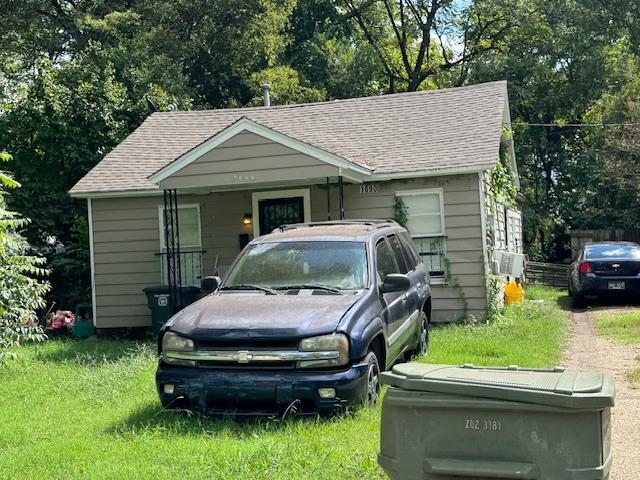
(587, 351)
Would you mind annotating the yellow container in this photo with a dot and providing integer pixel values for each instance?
(513, 293)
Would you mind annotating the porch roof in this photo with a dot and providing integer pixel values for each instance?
(402, 135)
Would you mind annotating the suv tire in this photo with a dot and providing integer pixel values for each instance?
(422, 349)
(372, 380)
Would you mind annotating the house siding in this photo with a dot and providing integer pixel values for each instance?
(248, 158)
(465, 293)
(127, 242)
(126, 251)
(126, 239)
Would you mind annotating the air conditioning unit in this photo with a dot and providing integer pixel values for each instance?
(508, 264)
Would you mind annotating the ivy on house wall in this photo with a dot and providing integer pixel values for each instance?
(454, 282)
(400, 212)
(495, 296)
(501, 190)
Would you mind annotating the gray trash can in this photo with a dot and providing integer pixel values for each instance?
(448, 422)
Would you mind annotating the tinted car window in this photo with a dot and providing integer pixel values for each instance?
(385, 262)
(336, 264)
(411, 255)
(595, 252)
(398, 254)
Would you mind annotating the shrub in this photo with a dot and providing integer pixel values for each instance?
(22, 288)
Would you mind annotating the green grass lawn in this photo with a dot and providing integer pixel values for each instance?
(88, 410)
(620, 326)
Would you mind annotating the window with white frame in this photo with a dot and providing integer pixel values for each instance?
(515, 234)
(425, 222)
(190, 236)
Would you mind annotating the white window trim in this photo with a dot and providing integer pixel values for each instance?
(305, 193)
(427, 191)
(442, 233)
(161, 224)
(183, 248)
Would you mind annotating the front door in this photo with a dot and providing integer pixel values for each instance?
(275, 212)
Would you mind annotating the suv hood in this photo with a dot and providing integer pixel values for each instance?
(256, 315)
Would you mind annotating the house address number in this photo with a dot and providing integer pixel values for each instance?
(368, 188)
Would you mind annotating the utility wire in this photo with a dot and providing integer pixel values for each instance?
(576, 125)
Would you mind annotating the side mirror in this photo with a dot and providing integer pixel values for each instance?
(210, 284)
(395, 282)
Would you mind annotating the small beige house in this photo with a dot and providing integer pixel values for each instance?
(202, 183)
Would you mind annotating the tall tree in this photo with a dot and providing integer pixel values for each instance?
(329, 53)
(556, 66)
(431, 40)
(77, 77)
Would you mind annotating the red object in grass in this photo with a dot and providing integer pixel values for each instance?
(62, 319)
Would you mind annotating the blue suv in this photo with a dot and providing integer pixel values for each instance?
(303, 322)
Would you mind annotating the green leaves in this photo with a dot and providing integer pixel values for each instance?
(22, 289)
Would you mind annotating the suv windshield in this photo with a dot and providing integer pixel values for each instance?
(341, 265)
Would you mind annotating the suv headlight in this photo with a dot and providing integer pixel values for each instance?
(173, 343)
(336, 342)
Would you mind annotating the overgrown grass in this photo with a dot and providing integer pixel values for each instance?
(531, 334)
(88, 410)
(619, 326)
(633, 375)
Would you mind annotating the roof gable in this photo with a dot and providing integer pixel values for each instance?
(244, 124)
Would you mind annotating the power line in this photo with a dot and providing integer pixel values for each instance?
(576, 125)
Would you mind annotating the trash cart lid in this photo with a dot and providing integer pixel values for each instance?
(553, 387)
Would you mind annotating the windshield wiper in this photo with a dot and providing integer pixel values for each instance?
(247, 286)
(310, 286)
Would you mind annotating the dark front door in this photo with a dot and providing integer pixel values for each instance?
(280, 211)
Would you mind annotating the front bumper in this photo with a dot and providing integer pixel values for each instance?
(259, 392)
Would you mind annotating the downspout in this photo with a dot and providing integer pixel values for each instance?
(483, 231)
(92, 262)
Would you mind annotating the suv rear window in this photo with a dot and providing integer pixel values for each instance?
(340, 265)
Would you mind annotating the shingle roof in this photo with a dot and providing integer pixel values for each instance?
(399, 133)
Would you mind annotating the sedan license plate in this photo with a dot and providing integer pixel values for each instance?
(616, 285)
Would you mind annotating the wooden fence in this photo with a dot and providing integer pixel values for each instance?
(551, 274)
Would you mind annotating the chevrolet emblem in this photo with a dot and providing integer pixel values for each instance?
(243, 356)
(616, 265)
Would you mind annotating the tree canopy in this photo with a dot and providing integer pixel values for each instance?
(77, 76)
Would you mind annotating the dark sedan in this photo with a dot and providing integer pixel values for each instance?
(605, 270)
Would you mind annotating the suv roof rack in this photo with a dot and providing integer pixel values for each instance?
(372, 222)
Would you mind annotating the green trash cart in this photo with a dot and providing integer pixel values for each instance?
(83, 324)
(442, 422)
(159, 302)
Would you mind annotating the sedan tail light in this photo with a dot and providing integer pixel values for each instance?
(585, 267)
